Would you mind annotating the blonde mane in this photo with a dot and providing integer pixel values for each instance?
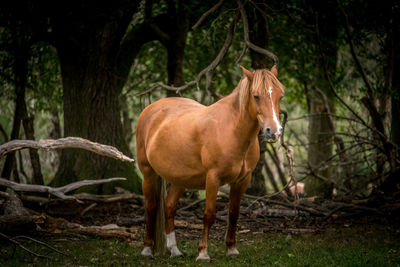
(262, 80)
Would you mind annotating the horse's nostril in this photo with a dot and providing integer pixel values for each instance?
(268, 130)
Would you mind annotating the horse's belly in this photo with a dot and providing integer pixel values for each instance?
(179, 168)
(180, 176)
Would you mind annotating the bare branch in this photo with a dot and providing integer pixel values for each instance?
(206, 71)
(247, 38)
(68, 142)
(205, 15)
(59, 191)
(354, 54)
(23, 247)
(40, 243)
(289, 155)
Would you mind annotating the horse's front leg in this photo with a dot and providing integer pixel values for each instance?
(171, 204)
(236, 193)
(212, 185)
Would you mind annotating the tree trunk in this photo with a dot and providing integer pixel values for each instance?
(33, 153)
(177, 33)
(391, 185)
(20, 77)
(88, 45)
(395, 95)
(258, 33)
(321, 127)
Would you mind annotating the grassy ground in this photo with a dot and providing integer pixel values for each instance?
(360, 245)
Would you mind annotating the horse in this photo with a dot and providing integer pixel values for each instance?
(193, 146)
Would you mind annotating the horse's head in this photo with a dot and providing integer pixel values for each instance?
(264, 95)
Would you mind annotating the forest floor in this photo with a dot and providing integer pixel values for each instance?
(278, 237)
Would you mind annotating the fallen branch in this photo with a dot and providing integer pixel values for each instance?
(109, 198)
(14, 217)
(68, 142)
(15, 242)
(40, 243)
(59, 191)
(194, 203)
(107, 231)
(88, 197)
(59, 225)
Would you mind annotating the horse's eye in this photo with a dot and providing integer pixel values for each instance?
(256, 97)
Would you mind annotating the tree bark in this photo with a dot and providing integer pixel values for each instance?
(395, 92)
(258, 32)
(321, 128)
(88, 42)
(33, 154)
(14, 217)
(391, 184)
(21, 51)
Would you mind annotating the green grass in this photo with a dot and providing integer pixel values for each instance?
(355, 246)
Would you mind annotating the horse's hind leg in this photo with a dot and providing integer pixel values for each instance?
(236, 193)
(149, 191)
(170, 206)
(212, 185)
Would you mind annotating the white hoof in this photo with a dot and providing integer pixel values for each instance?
(232, 252)
(171, 245)
(175, 252)
(147, 252)
(203, 256)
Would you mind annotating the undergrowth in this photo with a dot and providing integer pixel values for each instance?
(360, 245)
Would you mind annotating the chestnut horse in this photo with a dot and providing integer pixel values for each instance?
(204, 147)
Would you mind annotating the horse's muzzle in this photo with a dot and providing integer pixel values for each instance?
(272, 136)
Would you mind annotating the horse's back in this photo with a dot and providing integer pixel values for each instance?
(156, 113)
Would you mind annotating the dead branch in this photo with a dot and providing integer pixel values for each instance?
(247, 38)
(59, 191)
(14, 217)
(68, 142)
(109, 198)
(289, 155)
(206, 14)
(206, 71)
(91, 206)
(107, 231)
(194, 203)
(60, 225)
(354, 54)
(40, 243)
(15, 242)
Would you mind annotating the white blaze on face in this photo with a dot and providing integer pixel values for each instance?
(278, 125)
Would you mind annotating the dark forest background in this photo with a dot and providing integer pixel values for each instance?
(88, 68)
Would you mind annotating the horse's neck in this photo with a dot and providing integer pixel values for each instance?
(246, 128)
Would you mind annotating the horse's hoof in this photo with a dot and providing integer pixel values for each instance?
(203, 256)
(175, 252)
(232, 252)
(147, 252)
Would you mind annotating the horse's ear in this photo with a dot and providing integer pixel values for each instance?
(274, 71)
(248, 73)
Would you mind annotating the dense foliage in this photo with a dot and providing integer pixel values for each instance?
(338, 62)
